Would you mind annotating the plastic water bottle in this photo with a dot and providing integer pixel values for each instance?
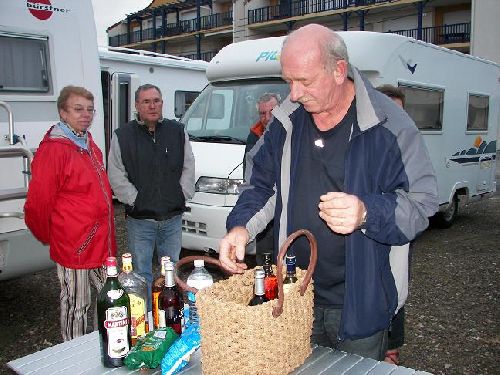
(199, 279)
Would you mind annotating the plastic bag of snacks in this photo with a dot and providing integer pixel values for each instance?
(149, 351)
(179, 353)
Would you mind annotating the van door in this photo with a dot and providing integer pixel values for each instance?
(485, 174)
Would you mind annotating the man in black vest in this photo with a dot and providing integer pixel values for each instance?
(151, 170)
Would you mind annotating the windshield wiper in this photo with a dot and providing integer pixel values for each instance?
(217, 139)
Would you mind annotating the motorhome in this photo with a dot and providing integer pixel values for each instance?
(42, 47)
(123, 70)
(45, 46)
(456, 111)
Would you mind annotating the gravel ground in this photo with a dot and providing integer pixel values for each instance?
(452, 311)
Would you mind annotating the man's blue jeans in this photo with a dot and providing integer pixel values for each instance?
(143, 235)
(325, 331)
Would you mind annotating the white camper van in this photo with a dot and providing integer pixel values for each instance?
(44, 47)
(453, 98)
(123, 70)
(41, 51)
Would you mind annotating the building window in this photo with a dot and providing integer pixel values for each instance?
(24, 63)
(477, 113)
(425, 106)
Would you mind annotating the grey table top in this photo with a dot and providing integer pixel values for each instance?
(83, 356)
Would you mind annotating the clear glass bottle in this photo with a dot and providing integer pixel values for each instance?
(259, 296)
(113, 318)
(170, 313)
(137, 290)
(156, 289)
(270, 280)
(200, 278)
(291, 273)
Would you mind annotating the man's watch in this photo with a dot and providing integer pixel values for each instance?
(363, 219)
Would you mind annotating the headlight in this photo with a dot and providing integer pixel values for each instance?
(218, 185)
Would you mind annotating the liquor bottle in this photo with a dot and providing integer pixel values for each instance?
(170, 312)
(270, 280)
(113, 318)
(291, 276)
(137, 289)
(156, 289)
(259, 294)
(199, 279)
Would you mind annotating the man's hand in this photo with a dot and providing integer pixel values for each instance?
(232, 250)
(342, 212)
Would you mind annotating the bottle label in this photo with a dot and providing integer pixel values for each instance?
(114, 294)
(116, 325)
(161, 319)
(156, 309)
(137, 315)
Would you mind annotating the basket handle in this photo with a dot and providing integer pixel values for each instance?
(190, 259)
(278, 309)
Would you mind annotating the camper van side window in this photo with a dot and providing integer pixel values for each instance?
(24, 64)
(477, 113)
(183, 100)
(425, 106)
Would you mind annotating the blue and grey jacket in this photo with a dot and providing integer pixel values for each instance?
(386, 165)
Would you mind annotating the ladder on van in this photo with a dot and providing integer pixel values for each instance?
(15, 149)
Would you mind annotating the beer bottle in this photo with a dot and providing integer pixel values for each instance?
(113, 318)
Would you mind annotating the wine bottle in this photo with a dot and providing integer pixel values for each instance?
(137, 288)
(170, 312)
(156, 289)
(291, 276)
(113, 318)
(259, 294)
(270, 280)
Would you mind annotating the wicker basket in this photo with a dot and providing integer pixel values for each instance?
(272, 338)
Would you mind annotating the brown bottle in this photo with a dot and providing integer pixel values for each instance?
(170, 302)
(156, 289)
(270, 280)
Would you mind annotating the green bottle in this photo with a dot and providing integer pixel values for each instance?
(113, 318)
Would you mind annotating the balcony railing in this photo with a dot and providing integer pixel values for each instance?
(208, 22)
(302, 7)
(444, 34)
(206, 56)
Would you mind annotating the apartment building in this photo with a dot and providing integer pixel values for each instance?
(200, 28)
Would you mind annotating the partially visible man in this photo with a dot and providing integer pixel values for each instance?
(265, 104)
(399, 260)
(151, 170)
(341, 160)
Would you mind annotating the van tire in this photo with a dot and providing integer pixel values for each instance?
(445, 219)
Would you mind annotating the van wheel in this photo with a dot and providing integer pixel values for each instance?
(445, 219)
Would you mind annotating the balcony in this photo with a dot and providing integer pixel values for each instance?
(209, 22)
(303, 7)
(444, 34)
(205, 56)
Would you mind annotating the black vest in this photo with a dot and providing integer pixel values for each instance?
(154, 166)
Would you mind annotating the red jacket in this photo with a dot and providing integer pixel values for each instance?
(69, 204)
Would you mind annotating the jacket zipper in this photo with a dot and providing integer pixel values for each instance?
(98, 169)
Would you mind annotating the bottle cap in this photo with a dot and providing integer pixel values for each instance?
(199, 263)
(110, 262)
(127, 257)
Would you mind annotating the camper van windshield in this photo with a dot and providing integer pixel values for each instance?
(225, 111)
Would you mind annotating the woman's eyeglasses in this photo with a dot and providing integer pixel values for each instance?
(80, 110)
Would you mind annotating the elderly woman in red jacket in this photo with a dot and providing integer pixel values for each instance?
(69, 207)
